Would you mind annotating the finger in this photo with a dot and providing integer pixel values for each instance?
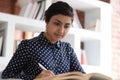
(50, 73)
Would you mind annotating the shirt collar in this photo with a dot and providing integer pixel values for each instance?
(41, 36)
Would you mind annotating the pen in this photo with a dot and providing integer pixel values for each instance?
(41, 66)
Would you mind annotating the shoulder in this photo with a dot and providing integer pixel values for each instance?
(62, 43)
(66, 45)
(29, 41)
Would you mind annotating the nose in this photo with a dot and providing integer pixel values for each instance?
(61, 29)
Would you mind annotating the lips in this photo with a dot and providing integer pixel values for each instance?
(58, 35)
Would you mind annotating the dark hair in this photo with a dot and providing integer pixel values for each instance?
(59, 7)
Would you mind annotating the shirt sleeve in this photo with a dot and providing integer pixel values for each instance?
(17, 64)
(74, 62)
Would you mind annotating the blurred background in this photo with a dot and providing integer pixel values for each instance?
(10, 7)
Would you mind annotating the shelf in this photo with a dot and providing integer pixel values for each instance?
(89, 35)
(37, 26)
(86, 35)
(22, 23)
(97, 44)
(85, 5)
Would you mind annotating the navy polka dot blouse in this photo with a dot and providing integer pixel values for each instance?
(59, 58)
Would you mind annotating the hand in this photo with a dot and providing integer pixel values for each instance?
(45, 73)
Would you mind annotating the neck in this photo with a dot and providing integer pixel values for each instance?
(48, 37)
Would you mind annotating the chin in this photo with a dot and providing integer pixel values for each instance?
(58, 39)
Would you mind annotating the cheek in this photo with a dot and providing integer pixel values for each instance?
(66, 32)
(51, 29)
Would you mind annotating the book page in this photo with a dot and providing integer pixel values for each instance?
(77, 76)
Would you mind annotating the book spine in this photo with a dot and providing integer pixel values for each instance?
(2, 32)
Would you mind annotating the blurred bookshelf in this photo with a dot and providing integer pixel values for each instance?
(94, 33)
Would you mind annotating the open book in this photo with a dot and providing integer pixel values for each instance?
(77, 76)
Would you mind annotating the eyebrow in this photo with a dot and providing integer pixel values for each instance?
(61, 22)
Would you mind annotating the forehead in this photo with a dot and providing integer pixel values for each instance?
(61, 18)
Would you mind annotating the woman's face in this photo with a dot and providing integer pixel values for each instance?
(57, 27)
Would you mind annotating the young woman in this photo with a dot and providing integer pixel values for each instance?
(46, 49)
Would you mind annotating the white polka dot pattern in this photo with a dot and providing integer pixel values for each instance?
(58, 57)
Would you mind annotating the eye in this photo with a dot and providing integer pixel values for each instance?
(67, 26)
(57, 23)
